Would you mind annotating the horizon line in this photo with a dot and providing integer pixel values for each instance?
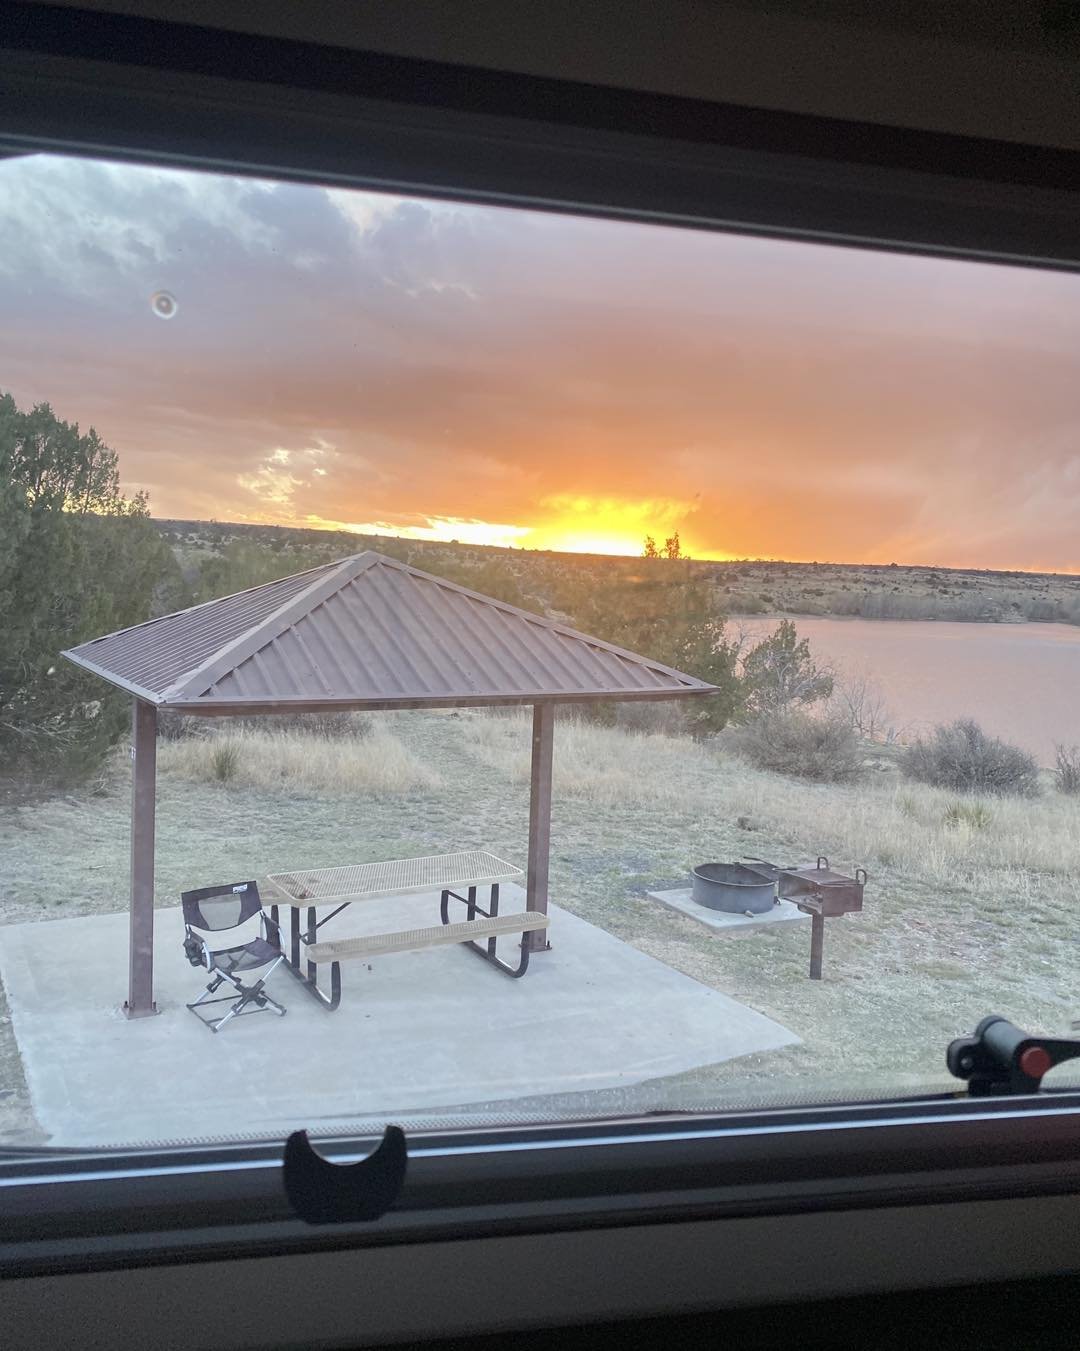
(572, 553)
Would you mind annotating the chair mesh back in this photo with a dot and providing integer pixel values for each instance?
(225, 907)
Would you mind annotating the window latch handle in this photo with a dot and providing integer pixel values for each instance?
(1002, 1059)
(322, 1192)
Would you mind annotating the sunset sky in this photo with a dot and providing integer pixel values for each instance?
(349, 360)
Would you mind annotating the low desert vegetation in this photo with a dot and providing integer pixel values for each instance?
(613, 775)
(822, 749)
(917, 831)
(973, 815)
(779, 674)
(178, 726)
(605, 765)
(879, 604)
(1067, 769)
(293, 760)
(892, 592)
(467, 772)
(858, 700)
(77, 559)
(225, 758)
(962, 757)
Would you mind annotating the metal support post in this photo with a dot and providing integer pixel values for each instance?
(140, 1000)
(543, 739)
(817, 943)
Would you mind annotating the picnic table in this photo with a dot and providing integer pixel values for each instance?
(312, 889)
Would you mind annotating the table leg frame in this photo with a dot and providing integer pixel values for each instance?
(309, 979)
(474, 908)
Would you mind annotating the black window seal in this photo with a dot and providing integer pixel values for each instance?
(124, 87)
(108, 1208)
(221, 52)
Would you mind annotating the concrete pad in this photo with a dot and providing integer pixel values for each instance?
(723, 921)
(415, 1032)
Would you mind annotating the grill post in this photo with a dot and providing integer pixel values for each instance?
(140, 1000)
(817, 943)
(536, 887)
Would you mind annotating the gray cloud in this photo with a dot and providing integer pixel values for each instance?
(462, 362)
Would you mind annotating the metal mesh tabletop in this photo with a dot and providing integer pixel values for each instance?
(396, 877)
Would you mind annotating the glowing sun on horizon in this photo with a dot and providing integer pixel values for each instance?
(605, 525)
(562, 523)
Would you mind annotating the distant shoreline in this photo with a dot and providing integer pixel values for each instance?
(743, 588)
(169, 525)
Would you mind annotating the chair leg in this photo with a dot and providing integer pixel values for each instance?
(212, 988)
(257, 992)
(245, 995)
(216, 1027)
(266, 1002)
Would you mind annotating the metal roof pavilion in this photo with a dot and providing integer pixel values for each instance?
(367, 632)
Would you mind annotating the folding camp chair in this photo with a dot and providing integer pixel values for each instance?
(215, 910)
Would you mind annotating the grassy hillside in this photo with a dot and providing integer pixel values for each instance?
(539, 579)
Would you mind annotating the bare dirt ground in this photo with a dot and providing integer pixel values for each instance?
(960, 920)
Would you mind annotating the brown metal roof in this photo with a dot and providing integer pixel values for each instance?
(367, 632)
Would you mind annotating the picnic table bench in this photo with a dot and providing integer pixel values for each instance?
(450, 874)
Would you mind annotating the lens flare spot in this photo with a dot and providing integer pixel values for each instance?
(163, 304)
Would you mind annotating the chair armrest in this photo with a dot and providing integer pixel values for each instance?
(195, 949)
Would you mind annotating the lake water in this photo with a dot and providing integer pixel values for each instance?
(1020, 681)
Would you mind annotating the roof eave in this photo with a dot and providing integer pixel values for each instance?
(208, 708)
(129, 686)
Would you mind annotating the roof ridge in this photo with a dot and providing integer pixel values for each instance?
(202, 604)
(199, 679)
(553, 624)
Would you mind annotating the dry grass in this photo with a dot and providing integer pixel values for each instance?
(1002, 845)
(994, 844)
(606, 765)
(288, 760)
(916, 829)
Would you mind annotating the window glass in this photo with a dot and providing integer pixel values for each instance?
(692, 618)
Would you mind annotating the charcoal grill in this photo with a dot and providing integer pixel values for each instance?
(819, 888)
(822, 894)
